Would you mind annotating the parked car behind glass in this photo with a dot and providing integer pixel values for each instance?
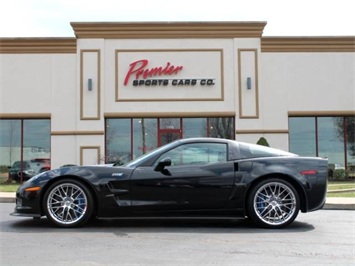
(15, 171)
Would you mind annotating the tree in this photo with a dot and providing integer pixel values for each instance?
(346, 131)
(222, 127)
(262, 141)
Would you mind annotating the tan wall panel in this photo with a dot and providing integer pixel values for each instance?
(248, 98)
(90, 99)
(89, 155)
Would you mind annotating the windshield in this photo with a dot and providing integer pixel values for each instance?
(150, 154)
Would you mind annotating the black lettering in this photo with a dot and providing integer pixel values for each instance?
(135, 82)
(175, 81)
(193, 82)
(203, 82)
(210, 82)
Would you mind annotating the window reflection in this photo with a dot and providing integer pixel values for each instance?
(196, 153)
(169, 123)
(302, 135)
(129, 138)
(24, 148)
(144, 136)
(118, 141)
(221, 127)
(350, 144)
(330, 145)
(195, 127)
(10, 142)
(36, 144)
(330, 137)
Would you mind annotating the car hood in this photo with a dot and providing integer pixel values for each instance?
(86, 172)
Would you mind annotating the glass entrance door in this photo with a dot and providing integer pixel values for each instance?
(168, 135)
(169, 129)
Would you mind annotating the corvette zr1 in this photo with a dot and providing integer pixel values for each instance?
(188, 178)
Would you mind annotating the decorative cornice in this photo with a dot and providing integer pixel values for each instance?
(308, 44)
(159, 30)
(37, 45)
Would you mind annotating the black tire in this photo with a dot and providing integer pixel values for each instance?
(68, 203)
(273, 203)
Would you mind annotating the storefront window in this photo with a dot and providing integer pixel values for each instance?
(128, 138)
(169, 123)
(330, 143)
(303, 135)
(195, 127)
(144, 136)
(349, 128)
(118, 141)
(329, 137)
(10, 143)
(36, 144)
(221, 127)
(24, 148)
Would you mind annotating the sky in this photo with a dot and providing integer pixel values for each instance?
(51, 18)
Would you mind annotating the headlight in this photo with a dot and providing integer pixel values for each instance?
(29, 172)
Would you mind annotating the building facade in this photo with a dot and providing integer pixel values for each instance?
(118, 90)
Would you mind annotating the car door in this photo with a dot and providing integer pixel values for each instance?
(199, 178)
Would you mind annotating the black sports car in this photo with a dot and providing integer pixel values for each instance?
(188, 178)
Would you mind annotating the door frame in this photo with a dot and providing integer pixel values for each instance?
(168, 130)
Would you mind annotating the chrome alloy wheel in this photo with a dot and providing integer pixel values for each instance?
(275, 203)
(67, 203)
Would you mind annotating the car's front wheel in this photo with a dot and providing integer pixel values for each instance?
(68, 203)
(273, 203)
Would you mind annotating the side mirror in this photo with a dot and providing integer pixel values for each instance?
(161, 165)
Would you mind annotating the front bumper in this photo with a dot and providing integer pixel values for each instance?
(27, 203)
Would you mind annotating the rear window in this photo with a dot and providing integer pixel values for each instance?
(256, 151)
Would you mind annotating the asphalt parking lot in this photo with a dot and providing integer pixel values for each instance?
(325, 237)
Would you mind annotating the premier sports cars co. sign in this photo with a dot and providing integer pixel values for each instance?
(144, 75)
(169, 75)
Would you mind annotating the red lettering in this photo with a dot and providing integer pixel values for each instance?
(138, 69)
(133, 69)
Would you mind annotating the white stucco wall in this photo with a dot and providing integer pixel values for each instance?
(287, 82)
(307, 82)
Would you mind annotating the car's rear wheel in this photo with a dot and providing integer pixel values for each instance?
(273, 203)
(68, 203)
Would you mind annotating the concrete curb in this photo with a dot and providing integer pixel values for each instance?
(7, 197)
(338, 203)
(331, 203)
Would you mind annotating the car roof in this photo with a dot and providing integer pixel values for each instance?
(205, 139)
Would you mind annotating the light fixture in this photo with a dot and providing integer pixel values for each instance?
(89, 84)
(249, 83)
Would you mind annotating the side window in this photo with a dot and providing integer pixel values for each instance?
(196, 153)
